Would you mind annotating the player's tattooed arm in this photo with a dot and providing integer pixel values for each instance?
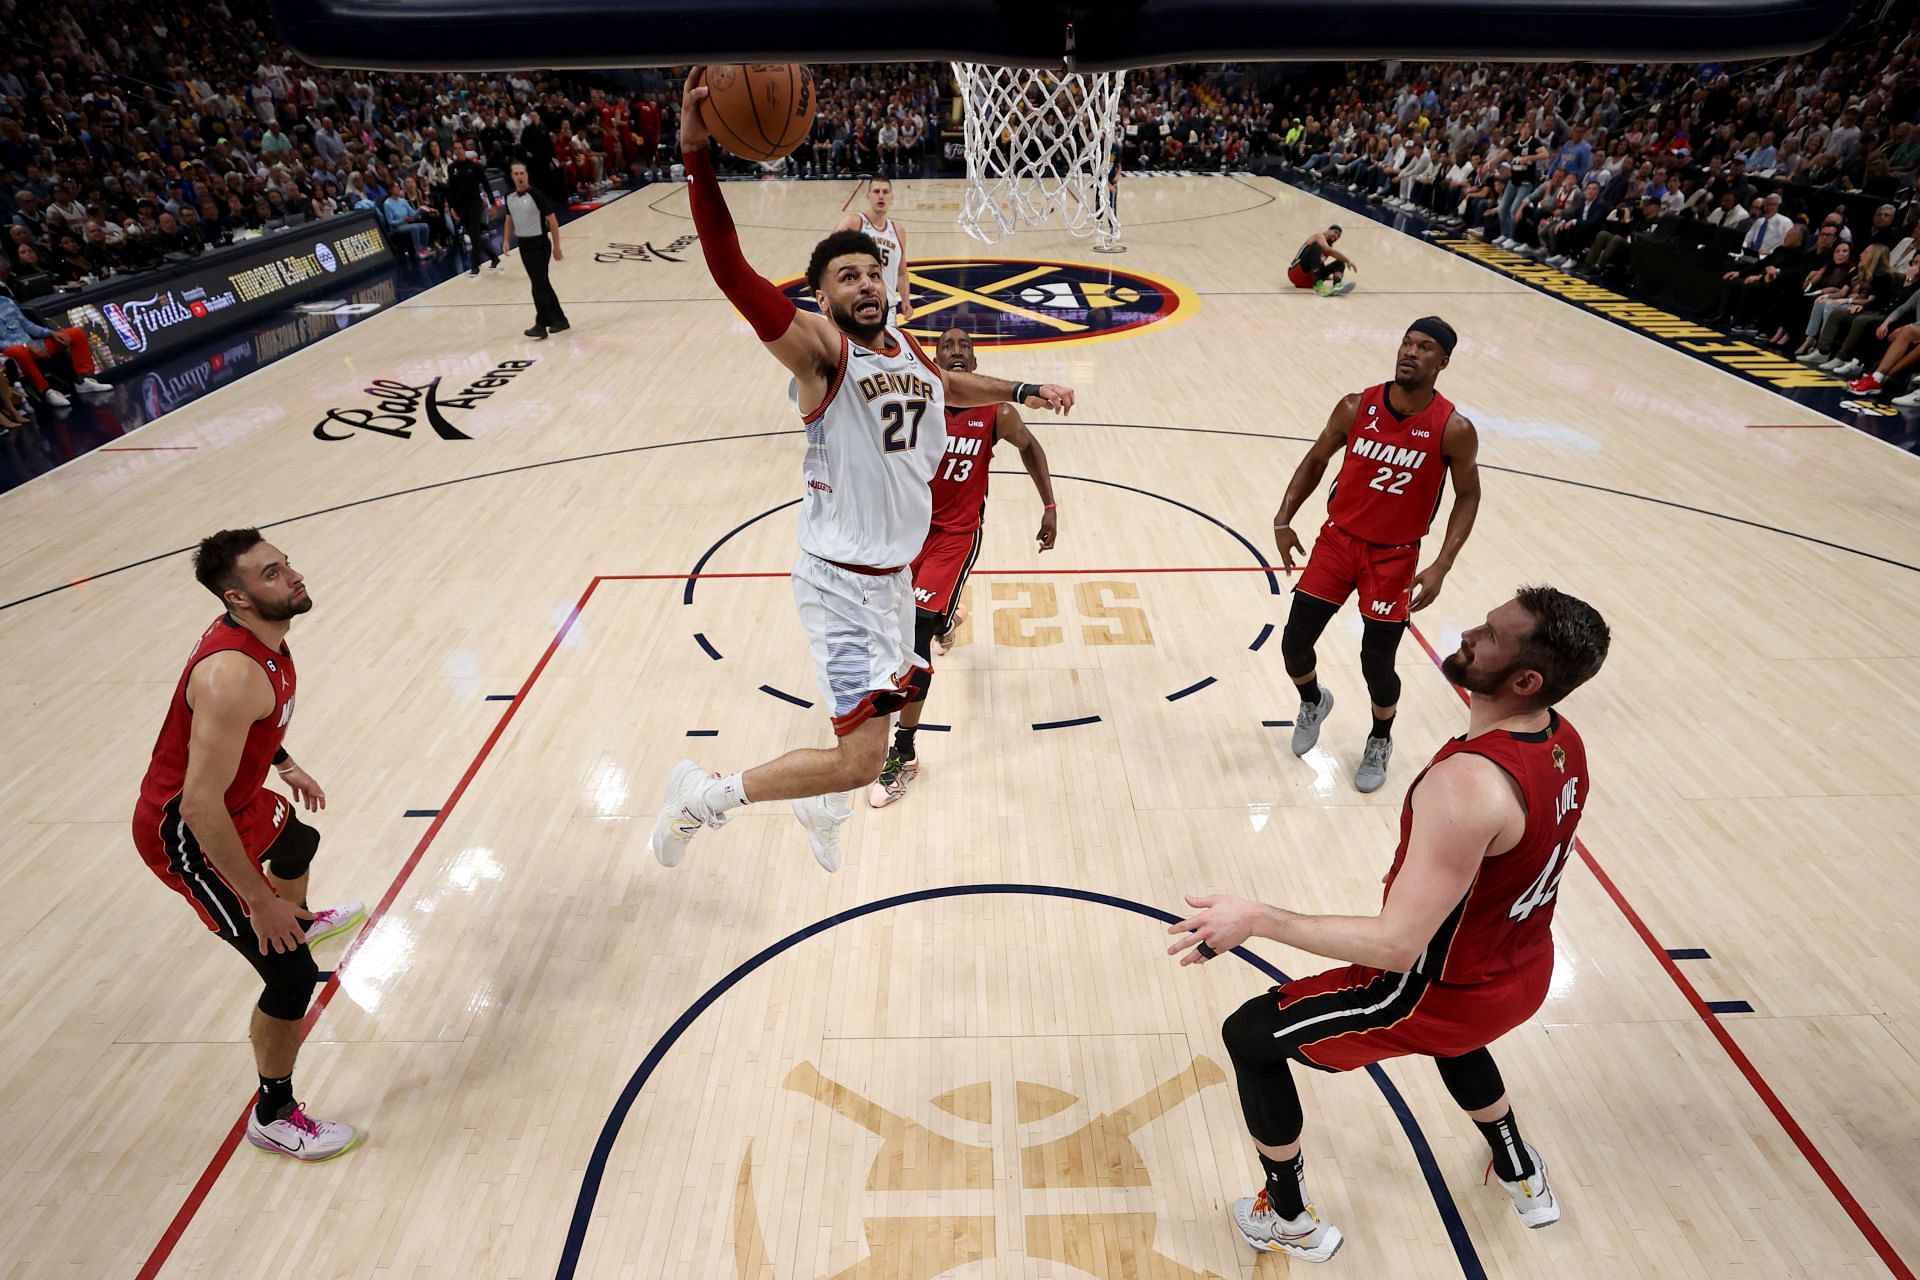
(1461, 445)
(1331, 440)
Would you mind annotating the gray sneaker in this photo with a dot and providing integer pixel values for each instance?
(1308, 1237)
(1306, 722)
(1372, 773)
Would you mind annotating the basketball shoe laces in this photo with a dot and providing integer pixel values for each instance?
(1262, 1205)
(298, 1119)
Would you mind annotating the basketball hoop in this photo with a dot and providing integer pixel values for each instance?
(1039, 144)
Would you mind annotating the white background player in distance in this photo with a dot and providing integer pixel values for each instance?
(874, 405)
(892, 241)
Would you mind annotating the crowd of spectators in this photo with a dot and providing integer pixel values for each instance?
(1186, 118)
(1794, 179)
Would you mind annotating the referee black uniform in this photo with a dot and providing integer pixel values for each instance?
(531, 220)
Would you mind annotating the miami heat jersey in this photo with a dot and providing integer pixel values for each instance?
(872, 448)
(167, 773)
(960, 485)
(1503, 926)
(1393, 473)
(888, 238)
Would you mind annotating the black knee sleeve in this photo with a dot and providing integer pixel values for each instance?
(1269, 1099)
(926, 626)
(290, 978)
(1378, 643)
(1306, 619)
(292, 850)
(1472, 1078)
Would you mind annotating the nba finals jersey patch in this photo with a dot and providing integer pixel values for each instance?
(1024, 302)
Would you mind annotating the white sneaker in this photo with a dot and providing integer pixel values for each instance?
(1911, 400)
(1532, 1197)
(57, 399)
(1307, 721)
(1372, 773)
(1848, 369)
(335, 920)
(682, 815)
(1307, 1237)
(90, 386)
(822, 817)
(1814, 358)
(301, 1137)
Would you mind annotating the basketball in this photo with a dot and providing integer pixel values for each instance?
(759, 110)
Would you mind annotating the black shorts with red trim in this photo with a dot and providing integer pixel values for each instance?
(1356, 1016)
(940, 572)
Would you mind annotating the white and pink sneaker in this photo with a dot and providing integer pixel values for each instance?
(335, 920)
(300, 1137)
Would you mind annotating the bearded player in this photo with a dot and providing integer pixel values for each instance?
(940, 570)
(1402, 440)
(892, 241)
(1461, 951)
(207, 825)
(875, 412)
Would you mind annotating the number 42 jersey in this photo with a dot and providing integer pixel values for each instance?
(872, 448)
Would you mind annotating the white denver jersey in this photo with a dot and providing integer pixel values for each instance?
(890, 255)
(872, 447)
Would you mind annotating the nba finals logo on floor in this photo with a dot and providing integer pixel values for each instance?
(1021, 302)
(1110, 1236)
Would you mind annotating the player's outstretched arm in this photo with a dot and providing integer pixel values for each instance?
(1008, 425)
(965, 390)
(808, 345)
(1331, 440)
(1464, 808)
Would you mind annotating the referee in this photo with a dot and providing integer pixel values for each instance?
(532, 221)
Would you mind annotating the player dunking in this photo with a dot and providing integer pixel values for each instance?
(207, 825)
(953, 541)
(1321, 267)
(1402, 440)
(1462, 949)
(875, 412)
(885, 233)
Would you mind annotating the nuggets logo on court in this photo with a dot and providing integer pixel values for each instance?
(1021, 302)
(1099, 1160)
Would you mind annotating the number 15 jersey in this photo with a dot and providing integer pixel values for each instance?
(1393, 473)
(872, 447)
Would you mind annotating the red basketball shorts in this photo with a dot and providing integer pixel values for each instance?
(1341, 564)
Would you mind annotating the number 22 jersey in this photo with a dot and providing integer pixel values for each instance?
(1393, 473)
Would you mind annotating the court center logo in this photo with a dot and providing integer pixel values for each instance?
(1023, 302)
(398, 407)
(1099, 1160)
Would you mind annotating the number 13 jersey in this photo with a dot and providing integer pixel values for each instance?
(872, 448)
(1393, 473)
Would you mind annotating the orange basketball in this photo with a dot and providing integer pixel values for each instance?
(759, 110)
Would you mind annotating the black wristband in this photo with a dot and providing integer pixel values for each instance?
(280, 757)
(1021, 390)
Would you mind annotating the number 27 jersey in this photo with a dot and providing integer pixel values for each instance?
(1392, 473)
(872, 447)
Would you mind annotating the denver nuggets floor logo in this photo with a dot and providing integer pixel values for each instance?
(1098, 1156)
(1020, 302)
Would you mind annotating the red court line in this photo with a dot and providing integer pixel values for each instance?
(189, 1207)
(1860, 1217)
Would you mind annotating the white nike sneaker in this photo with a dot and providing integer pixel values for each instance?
(1307, 1237)
(1532, 1197)
(335, 920)
(301, 1137)
(91, 386)
(683, 813)
(823, 816)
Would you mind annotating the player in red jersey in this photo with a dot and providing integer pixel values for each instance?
(1462, 949)
(207, 825)
(953, 541)
(1402, 439)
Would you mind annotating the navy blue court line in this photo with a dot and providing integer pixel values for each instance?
(1276, 724)
(1729, 1006)
(1688, 953)
(1067, 724)
(422, 813)
(1192, 688)
(703, 733)
(935, 728)
(693, 578)
(1262, 637)
(1470, 1266)
(700, 638)
(326, 975)
(500, 697)
(784, 697)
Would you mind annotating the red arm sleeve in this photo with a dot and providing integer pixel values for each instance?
(769, 311)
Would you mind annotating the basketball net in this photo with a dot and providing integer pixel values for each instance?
(1040, 144)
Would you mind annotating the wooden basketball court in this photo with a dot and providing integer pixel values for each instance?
(967, 1054)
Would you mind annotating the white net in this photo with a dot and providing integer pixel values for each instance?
(1040, 144)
